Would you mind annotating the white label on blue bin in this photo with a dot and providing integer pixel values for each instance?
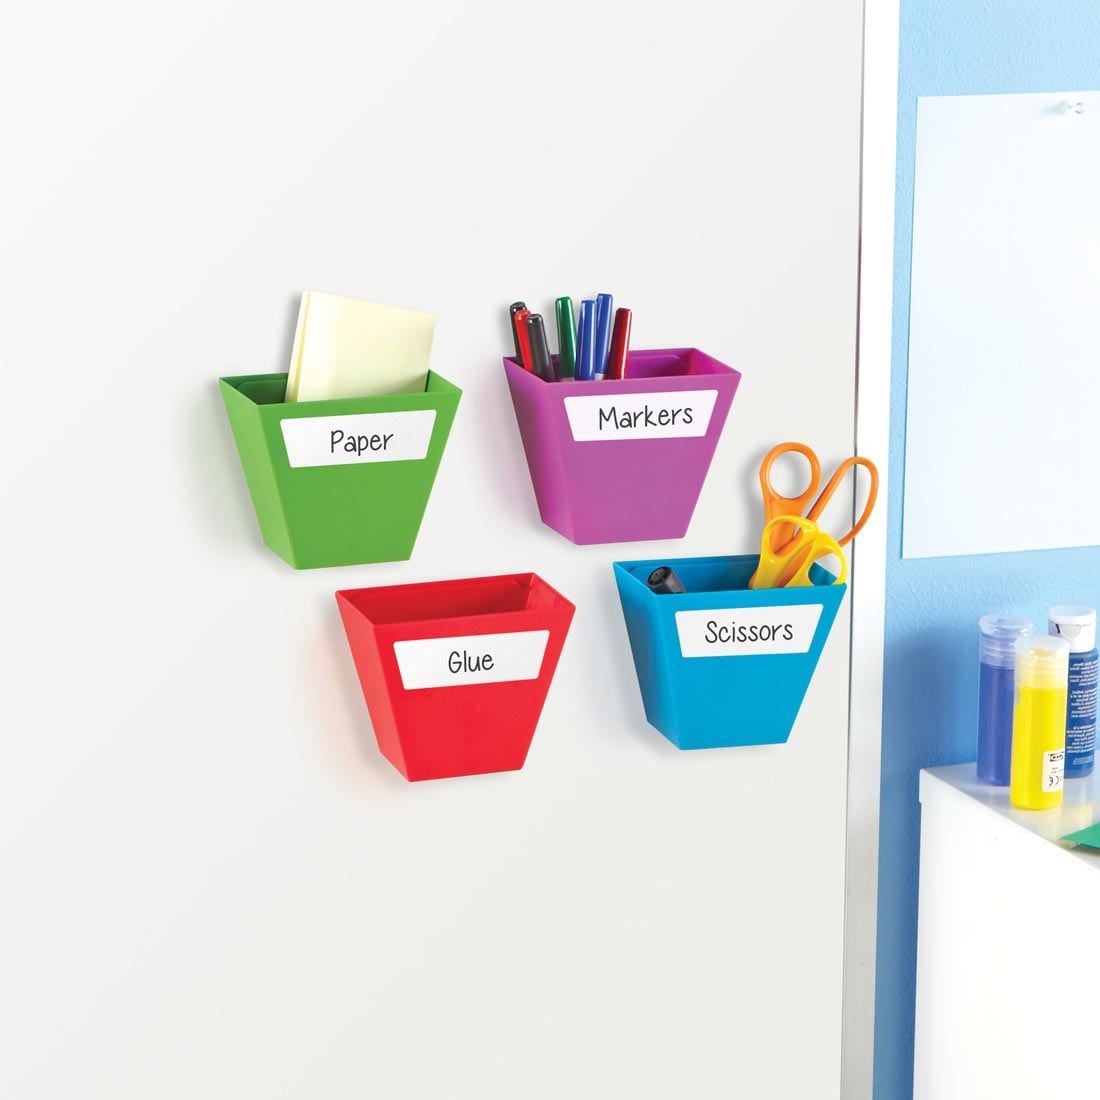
(747, 631)
(640, 415)
(360, 437)
(473, 659)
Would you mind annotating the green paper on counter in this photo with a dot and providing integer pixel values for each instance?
(1089, 837)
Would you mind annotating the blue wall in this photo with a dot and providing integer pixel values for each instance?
(932, 605)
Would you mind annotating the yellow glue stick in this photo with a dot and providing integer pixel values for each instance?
(1039, 722)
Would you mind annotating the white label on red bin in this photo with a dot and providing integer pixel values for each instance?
(640, 415)
(747, 631)
(360, 437)
(472, 659)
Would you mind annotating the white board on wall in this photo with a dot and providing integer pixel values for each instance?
(1004, 329)
(220, 888)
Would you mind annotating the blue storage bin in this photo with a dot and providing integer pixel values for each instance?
(721, 664)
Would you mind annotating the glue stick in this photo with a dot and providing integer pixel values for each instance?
(996, 694)
(1078, 626)
(1039, 722)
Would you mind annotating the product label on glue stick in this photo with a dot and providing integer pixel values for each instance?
(1081, 713)
(1054, 770)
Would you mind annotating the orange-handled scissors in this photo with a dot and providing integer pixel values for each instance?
(775, 504)
(787, 563)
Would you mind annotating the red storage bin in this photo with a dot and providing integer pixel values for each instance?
(455, 673)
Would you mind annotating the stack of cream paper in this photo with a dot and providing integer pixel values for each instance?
(347, 348)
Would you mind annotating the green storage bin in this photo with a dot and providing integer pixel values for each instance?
(341, 482)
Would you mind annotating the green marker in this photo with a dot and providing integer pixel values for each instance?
(567, 337)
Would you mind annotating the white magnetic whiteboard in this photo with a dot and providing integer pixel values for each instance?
(1004, 330)
(223, 891)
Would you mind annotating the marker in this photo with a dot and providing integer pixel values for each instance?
(664, 582)
(586, 341)
(519, 323)
(603, 334)
(567, 337)
(541, 362)
(620, 344)
(513, 309)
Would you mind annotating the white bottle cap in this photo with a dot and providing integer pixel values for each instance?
(1076, 624)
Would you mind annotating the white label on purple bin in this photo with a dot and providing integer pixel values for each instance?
(360, 437)
(669, 415)
(473, 659)
(747, 631)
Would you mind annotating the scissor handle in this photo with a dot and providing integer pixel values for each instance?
(785, 561)
(775, 504)
(834, 483)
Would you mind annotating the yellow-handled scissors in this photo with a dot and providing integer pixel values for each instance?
(786, 562)
(775, 504)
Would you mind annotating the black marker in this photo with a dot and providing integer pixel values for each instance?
(664, 582)
(541, 363)
(513, 309)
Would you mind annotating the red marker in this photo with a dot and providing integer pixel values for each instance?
(620, 345)
(519, 322)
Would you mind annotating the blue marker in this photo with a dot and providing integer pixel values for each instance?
(586, 342)
(603, 333)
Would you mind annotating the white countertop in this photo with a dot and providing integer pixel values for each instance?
(1080, 805)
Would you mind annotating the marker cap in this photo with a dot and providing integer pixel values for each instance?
(620, 344)
(523, 342)
(1076, 624)
(513, 309)
(541, 364)
(1042, 661)
(997, 638)
(604, 321)
(586, 341)
(567, 336)
(664, 581)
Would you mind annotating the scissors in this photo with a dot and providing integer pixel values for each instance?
(786, 562)
(777, 505)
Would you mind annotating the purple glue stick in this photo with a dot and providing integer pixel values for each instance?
(996, 694)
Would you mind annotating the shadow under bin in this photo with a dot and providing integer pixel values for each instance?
(623, 460)
(455, 673)
(340, 482)
(721, 664)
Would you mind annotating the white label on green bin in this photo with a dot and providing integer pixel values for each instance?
(747, 631)
(640, 415)
(360, 437)
(473, 659)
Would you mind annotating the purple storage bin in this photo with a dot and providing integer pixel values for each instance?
(623, 460)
